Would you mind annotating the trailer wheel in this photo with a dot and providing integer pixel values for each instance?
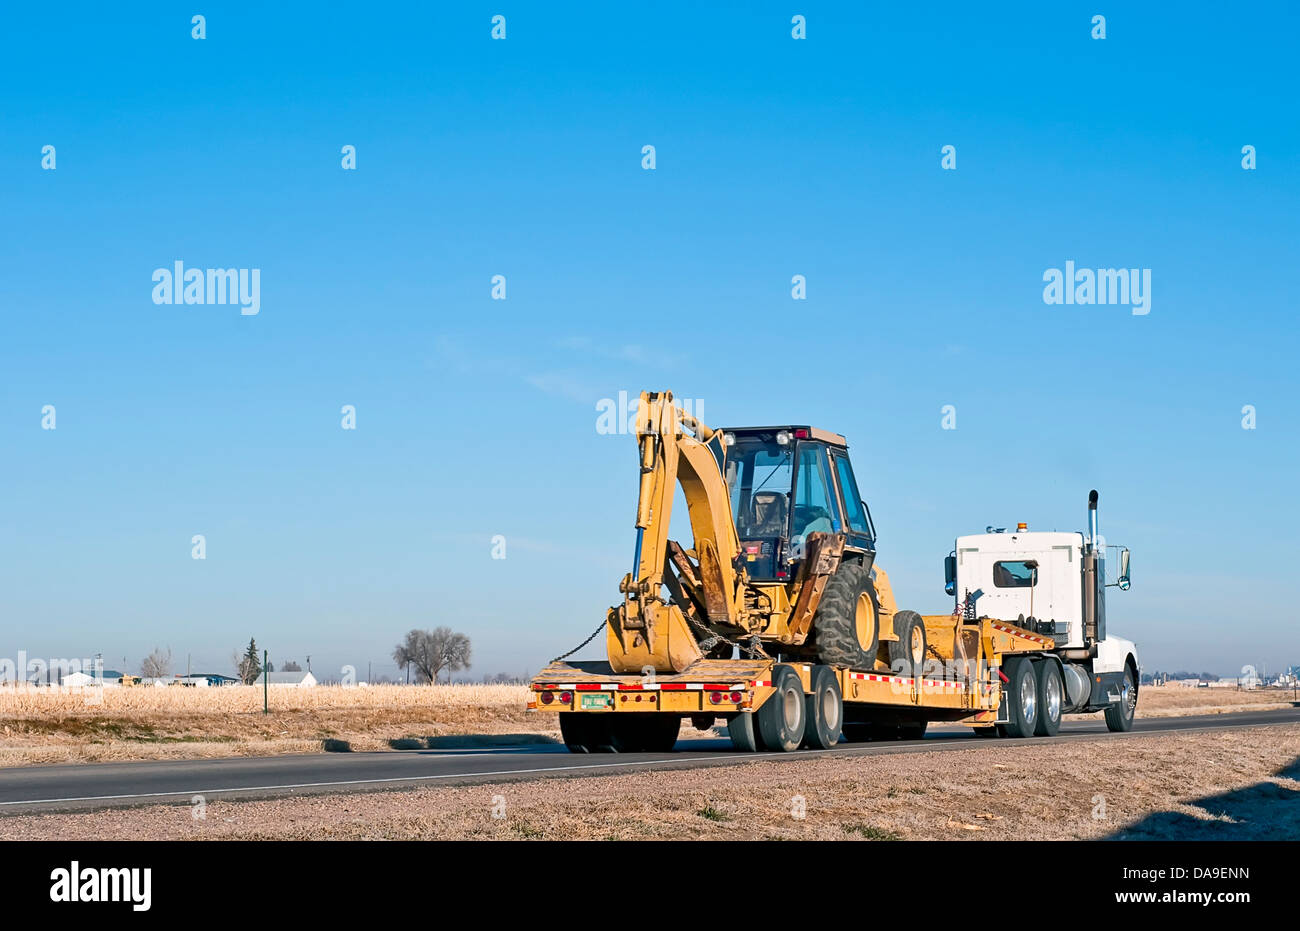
(743, 731)
(1022, 699)
(781, 717)
(824, 714)
(640, 732)
(912, 730)
(584, 733)
(846, 630)
(907, 653)
(856, 732)
(1119, 715)
(1051, 693)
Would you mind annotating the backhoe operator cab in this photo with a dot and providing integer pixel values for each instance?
(784, 484)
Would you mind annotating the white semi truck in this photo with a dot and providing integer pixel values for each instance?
(1054, 585)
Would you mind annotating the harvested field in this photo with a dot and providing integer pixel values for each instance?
(1235, 784)
(54, 726)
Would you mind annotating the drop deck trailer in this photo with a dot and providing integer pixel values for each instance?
(972, 678)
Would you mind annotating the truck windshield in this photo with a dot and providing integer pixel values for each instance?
(759, 478)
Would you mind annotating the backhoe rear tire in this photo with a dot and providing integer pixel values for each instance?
(846, 630)
(781, 717)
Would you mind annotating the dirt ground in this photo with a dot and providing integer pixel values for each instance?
(1242, 784)
(175, 723)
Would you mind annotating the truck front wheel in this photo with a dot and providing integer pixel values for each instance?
(1119, 716)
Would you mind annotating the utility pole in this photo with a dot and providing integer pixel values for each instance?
(266, 684)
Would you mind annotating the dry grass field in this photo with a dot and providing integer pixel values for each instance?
(1233, 785)
(52, 726)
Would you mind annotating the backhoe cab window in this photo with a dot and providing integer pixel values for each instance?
(1012, 574)
(759, 475)
(813, 508)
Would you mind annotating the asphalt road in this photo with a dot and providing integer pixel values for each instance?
(88, 786)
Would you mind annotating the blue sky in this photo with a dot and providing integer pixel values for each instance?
(522, 158)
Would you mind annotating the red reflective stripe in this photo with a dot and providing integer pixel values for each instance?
(589, 686)
(674, 686)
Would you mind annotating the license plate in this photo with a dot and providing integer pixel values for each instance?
(598, 702)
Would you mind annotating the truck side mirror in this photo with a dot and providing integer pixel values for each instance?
(950, 575)
(1123, 570)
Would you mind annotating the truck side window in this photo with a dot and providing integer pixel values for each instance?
(853, 511)
(1012, 574)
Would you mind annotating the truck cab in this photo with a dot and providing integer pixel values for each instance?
(1052, 584)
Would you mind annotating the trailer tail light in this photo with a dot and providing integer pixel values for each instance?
(566, 698)
(735, 698)
(547, 698)
(715, 697)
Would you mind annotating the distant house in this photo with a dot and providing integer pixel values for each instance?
(300, 680)
(204, 680)
(109, 677)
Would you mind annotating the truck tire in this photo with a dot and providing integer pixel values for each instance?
(846, 630)
(781, 717)
(912, 730)
(584, 732)
(1119, 716)
(1022, 699)
(824, 711)
(855, 732)
(1051, 698)
(907, 653)
(743, 731)
(642, 731)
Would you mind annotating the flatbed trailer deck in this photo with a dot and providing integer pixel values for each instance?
(963, 683)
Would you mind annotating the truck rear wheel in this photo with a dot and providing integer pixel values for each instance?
(1120, 714)
(781, 717)
(907, 653)
(824, 714)
(1051, 694)
(1022, 699)
(846, 630)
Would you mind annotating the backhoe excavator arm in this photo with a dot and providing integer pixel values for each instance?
(646, 630)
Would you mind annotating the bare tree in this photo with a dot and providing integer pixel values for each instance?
(157, 664)
(290, 666)
(432, 651)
